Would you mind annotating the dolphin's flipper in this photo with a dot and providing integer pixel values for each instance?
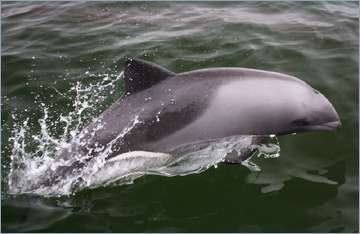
(239, 155)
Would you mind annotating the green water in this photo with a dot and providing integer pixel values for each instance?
(47, 47)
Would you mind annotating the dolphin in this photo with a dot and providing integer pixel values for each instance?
(162, 112)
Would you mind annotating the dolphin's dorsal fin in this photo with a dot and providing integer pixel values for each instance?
(140, 75)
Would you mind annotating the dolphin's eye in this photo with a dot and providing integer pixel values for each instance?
(301, 122)
(315, 91)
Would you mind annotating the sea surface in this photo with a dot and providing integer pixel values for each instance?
(62, 65)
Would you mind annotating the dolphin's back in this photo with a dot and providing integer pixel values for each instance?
(237, 73)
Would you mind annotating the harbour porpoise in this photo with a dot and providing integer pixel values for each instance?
(162, 112)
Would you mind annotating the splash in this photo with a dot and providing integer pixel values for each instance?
(32, 154)
(28, 165)
(269, 150)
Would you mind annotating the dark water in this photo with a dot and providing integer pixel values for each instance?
(47, 47)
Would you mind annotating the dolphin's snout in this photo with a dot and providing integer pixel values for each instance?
(336, 123)
(333, 126)
(329, 126)
(328, 119)
(333, 123)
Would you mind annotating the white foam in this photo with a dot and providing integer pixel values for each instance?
(32, 153)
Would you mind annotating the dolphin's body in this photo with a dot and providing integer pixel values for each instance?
(161, 112)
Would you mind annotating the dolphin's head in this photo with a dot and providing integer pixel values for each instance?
(301, 109)
(274, 105)
(312, 111)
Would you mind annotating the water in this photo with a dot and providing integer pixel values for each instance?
(62, 66)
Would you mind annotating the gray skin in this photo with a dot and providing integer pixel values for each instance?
(200, 106)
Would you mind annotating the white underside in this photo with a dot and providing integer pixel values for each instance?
(135, 154)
